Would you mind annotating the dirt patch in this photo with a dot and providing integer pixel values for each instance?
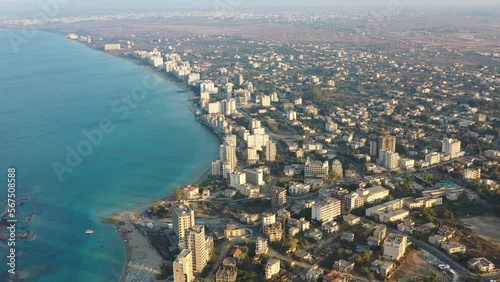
(416, 268)
(486, 227)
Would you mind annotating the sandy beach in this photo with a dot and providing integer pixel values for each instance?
(143, 261)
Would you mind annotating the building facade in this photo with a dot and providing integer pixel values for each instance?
(183, 267)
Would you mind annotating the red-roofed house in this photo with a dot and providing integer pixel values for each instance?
(335, 276)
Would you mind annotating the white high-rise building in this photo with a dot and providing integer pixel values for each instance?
(326, 210)
(270, 151)
(227, 153)
(257, 141)
(451, 147)
(265, 101)
(251, 155)
(196, 243)
(255, 124)
(217, 168)
(208, 86)
(291, 115)
(255, 176)
(229, 106)
(230, 139)
(183, 267)
(214, 108)
(388, 159)
(156, 61)
(182, 219)
(237, 179)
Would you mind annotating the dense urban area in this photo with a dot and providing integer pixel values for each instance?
(355, 146)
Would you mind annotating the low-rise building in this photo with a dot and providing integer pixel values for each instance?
(335, 276)
(373, 194)
(351, 219)
(226, 274)
(299, 189)
(330, 227)
(316, 169)
(314, 273)
(389, 212)
(249, 190)
(472, 173)
(382, 267)
(343, 266)
(347, 236)
(423, 202)
(453, 247)
(261, 246)
(481, 264)
(272, 268)
(233, 231)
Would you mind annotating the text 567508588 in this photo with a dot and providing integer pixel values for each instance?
(11, 213)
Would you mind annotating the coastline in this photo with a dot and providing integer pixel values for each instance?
(142, 257)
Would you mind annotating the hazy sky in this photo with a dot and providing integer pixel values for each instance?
(237, 4)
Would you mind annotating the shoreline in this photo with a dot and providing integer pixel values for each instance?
(141, 256)
(121, 219)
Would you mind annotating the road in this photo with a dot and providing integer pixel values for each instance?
(461, 271)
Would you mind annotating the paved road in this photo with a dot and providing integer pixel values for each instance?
(461, 271)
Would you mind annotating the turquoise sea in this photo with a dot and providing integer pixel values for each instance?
(51, 92)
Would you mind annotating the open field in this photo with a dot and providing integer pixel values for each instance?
(416, 268)
(486, 227)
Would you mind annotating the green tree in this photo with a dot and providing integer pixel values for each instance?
(156, 205)
(178, 194)
(448, 214)
(293, 243)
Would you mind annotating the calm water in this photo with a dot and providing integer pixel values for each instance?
(50, 92)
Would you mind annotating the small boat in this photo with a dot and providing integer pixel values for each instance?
(89, 231)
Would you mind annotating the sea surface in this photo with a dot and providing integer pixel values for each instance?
(54, 94)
